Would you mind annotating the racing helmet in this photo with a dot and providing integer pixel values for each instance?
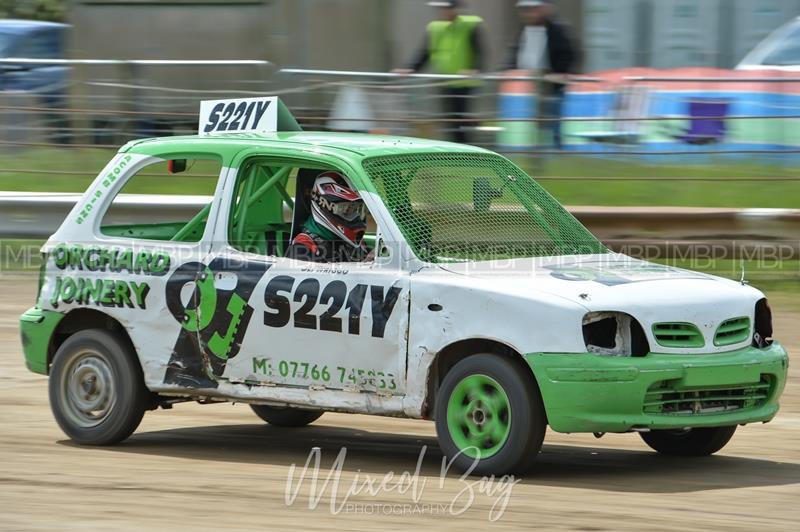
(339, 208)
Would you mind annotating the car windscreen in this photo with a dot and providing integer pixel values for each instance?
(474, 206)
(786, 51)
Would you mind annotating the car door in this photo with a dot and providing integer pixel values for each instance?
(336, 326)
(341, 326)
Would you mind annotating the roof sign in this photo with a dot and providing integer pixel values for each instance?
(244, 115)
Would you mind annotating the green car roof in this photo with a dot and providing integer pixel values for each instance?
(348, 144)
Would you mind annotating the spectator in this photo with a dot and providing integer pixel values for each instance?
(453, 45)
(544, 47)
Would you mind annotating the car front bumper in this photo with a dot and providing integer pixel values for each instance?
(592, 393)
(36, 328)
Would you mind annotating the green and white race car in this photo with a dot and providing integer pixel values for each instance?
(484, 305)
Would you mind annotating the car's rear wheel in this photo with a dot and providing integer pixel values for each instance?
(286, 417)
(689, 442)
(489, 415)
(96, 388)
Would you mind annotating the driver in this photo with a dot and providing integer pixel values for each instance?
(335, 229)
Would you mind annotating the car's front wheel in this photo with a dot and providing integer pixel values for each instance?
(285, 416)
(689, 442)
(489, 415)
(96, 388)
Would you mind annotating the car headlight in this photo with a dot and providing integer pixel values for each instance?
(762, 332)
(614, 334)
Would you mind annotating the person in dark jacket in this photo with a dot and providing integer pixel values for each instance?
(453, 45)
(544, 47)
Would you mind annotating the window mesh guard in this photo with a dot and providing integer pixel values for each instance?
(456, 207)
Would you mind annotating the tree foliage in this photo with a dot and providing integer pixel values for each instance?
(33, 9)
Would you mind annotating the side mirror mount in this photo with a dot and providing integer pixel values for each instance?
(176, 166)
(483, 193)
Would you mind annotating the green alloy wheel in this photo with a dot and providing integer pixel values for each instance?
(489, 415)
(479, 416)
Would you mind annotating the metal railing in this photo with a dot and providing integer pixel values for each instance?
(288, 81)
(729, 233)
(103, 103)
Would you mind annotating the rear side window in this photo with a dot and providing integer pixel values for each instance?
(186, 186)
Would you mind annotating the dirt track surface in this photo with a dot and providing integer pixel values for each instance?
(219, 467)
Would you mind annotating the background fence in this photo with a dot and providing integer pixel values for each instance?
(98, 101)
(693, 137)
(653, 233)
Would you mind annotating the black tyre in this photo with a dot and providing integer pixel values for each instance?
(689, 442)
(489, 409)
(96, 388)
(285, 416)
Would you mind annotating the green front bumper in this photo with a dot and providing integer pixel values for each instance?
(592, 393)
(36, 327)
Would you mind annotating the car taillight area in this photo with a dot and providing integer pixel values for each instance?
(614, 334)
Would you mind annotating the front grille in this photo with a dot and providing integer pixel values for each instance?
(677, 335)
(665, 397)
(732, 331)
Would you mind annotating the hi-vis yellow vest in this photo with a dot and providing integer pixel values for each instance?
(450, 47)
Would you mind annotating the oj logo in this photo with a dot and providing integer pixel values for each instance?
(213, 319)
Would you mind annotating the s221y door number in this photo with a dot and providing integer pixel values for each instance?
(334, 296)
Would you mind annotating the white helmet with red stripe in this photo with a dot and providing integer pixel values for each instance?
(339, 208)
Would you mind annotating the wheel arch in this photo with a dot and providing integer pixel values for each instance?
(451, 354)
(81, 319)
